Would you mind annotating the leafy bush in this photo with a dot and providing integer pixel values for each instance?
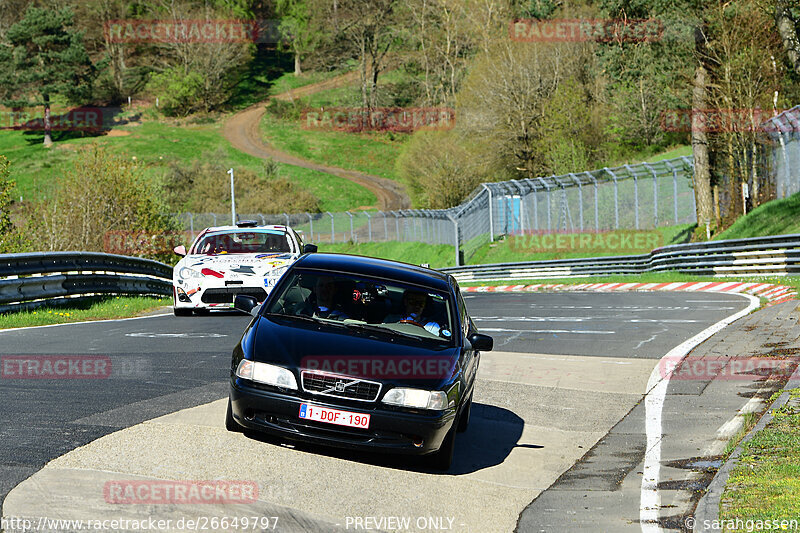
(205, 187)
(103, 193)
(440, 171)
(179, 92)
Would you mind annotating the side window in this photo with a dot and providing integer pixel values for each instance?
(463, 316)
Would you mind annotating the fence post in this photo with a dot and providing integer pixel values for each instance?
(263, 220)
(534, 187)
(215, 218)
(352, 236)
(191, 224)
(287, 219)
(333, 238)
(491, 217)
(369, 225)
(311, 223)
(580, 196)
(455, 240)
(547, 192)
(397, 225)
(521, 207)
(635, 194)
(616, 198)
(655, 190)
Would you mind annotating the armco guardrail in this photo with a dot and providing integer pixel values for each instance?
(756, 256)
(34, 279)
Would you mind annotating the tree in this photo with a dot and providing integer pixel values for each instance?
(786, 21)
(297, 26)
(43, 55)
(373, 27)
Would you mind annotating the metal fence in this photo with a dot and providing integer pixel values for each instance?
(784, 129)
(31, 280)
(777, 255)
(643, 196)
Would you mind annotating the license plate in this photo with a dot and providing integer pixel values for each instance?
(333, 416)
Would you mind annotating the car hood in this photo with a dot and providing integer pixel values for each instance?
(238, 265)
(353, 352)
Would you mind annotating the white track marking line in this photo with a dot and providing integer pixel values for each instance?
(650, 498)
(84, 322)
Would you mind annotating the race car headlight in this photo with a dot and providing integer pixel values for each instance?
(189, 273)
(268, 374)
(416, 398)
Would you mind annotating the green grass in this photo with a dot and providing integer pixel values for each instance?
(679, 151)
(373, 153)
(765, 484)
(436, 255)
(97, 309)
(156, 144)
(537, 247)
(777, 217)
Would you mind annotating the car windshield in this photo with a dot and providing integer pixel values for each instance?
(243, 242)
(382, 306)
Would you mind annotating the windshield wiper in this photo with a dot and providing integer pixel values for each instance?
(386, 331)
(306, 318)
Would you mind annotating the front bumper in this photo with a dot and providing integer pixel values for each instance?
(390, 430)
(218, 296)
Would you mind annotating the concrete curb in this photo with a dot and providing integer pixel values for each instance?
(707, 512)
(775, 294)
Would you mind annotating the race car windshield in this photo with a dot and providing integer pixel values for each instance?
(244, 242)
(393, 308)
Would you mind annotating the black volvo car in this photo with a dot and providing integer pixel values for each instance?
(358, 353)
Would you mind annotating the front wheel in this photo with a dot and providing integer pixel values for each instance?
(230, 423)
(443, 459)
(178, 311)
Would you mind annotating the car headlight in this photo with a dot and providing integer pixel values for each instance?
(416, 398)
(268, 374)
(189, 273)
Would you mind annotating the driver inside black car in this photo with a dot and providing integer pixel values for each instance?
(414, 303)
(328, 304)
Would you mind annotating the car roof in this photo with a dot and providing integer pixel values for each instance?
(244, 229)
(378, 268)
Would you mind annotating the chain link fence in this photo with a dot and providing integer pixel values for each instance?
(784, 130)
(643, 196)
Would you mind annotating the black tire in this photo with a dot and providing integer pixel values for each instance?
(463, 420)
(230, 423)
(442, 459)
(181, 312)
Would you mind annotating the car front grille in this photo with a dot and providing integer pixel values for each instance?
(340, 386)
(226, 296)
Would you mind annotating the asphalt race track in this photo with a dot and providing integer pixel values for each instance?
(547, 347)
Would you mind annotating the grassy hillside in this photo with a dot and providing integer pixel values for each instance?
(158, 143)
(772, 218)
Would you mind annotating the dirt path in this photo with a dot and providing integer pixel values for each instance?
(242, 130)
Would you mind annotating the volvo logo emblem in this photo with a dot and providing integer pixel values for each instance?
(340, 385)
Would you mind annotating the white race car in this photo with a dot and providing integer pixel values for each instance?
(229, 260)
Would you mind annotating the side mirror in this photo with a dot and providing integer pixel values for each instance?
(245, 303)
(482, 343)
(180, 250)
(310, 248)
